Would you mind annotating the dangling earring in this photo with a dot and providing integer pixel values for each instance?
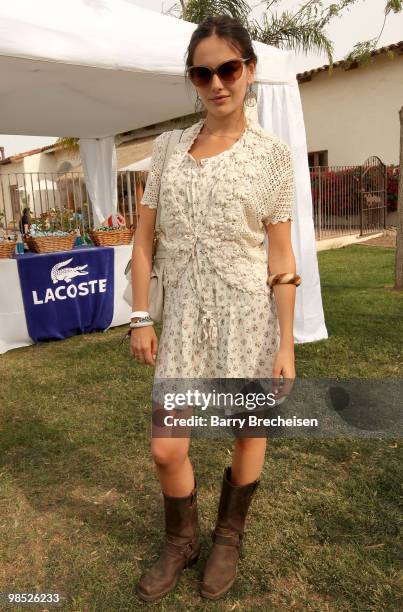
(250, 98)
(199, 106)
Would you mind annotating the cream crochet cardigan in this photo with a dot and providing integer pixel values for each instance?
(221, 206)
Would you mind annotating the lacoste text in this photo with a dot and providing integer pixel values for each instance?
(64, 292)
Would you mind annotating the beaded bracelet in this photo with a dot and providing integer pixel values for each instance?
(141, 321)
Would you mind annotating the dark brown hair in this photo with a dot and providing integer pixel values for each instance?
(226, 27)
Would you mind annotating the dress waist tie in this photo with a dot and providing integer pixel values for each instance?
(207, 325)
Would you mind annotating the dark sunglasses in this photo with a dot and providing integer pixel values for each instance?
(229, 72)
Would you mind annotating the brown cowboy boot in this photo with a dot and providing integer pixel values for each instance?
(221, 566)
(180, 550)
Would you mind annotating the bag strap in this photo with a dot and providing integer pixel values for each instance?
(173, 140)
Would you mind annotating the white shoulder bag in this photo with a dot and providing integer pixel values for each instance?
(156, 288)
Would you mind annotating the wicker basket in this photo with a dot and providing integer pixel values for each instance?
(112, 237)
(49, 244)
(7, 248)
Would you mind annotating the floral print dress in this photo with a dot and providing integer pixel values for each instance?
(219, 319)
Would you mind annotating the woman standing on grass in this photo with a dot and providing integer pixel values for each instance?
(226, 183)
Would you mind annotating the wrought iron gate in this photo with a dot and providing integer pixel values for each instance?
(373, 195)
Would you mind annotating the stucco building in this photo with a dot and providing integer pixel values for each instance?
(352, 114)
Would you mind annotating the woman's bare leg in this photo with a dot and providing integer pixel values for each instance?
(247, 459)
(174, 469)
(170, 454)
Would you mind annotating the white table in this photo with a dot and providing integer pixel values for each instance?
(13, 327)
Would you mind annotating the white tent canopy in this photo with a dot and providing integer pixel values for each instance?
(95, 68)
(65, 65)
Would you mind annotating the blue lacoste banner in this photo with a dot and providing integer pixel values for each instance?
(67, 293)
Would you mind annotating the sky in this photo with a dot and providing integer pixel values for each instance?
(363, 21)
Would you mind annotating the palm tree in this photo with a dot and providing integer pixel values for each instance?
(70, 145)
(302, 30)
(197, 10)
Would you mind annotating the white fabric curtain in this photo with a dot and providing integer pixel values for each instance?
(98, 156)
(279, 111)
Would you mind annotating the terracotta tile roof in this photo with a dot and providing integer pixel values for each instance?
(19, 156)
(307, 75)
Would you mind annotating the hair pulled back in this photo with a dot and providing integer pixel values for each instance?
(227, 28)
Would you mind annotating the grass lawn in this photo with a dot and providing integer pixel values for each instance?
(80, 503)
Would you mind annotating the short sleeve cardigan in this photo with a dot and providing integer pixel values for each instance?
(222, 204)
